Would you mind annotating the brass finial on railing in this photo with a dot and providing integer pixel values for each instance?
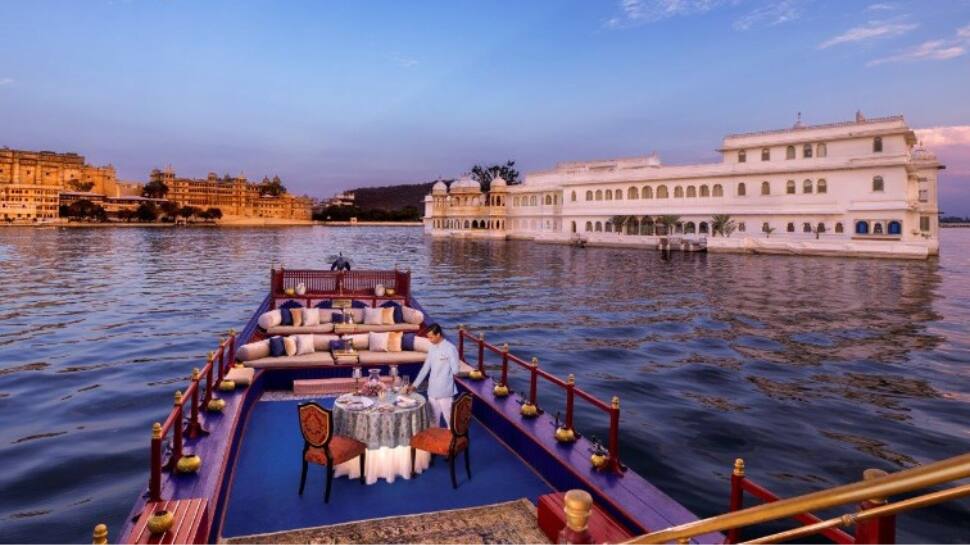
(178, 398)
(739, 467)
(211, 355)
(577, 505)
(100, 536)
(157, 430)
(195, 373)
(616, 402)
(461, 327)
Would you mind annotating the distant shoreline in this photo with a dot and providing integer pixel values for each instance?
(231, 224)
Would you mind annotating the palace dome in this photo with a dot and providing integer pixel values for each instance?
(439, 187)
(498, 181)
(466, 183)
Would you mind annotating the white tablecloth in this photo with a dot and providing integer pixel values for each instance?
(385, 463)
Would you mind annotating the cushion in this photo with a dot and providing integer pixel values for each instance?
(422, 344)
(253, 351)
(407, 341)
(269, 319)
(242, 376)
(367, 357)
(287, 316)
(437, 441)
(296, 314)
(289, 345)
(337, 317)
(322, 342)
(316, 359)
(358, 304)
(342, 449)
(377, 342)
(412, 315)
(373, 316)
(291, 304)
(304, 344)
(398, 311)
(276, 348)
(394, 341)
(387, 316)
(337, 345)
(357, 313)
(292, 330)
(360, 340)
(311, 316)
(364, 328)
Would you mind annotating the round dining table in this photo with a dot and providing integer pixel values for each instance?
(386, 428)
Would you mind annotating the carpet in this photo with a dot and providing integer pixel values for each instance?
(507, 522)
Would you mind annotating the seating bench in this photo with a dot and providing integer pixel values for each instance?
(328, 385)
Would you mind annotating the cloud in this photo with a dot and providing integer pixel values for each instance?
(401, 60)
(954, 135)
(880, 7)
(932, 50)
(872, 30)
(770, 15)
(6, 81)
(639, 12)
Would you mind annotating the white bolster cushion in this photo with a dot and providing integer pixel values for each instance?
(361, 340)
(253, 351)
(270, 319)
(421, 344)
(412, 315)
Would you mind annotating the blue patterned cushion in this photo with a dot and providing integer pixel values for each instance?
(398, 313)
(337, 317)
(336, 345)
(407, 342)
(325, 304)
(358, 304)
(291, 304)
(287, 316)
(276, 348)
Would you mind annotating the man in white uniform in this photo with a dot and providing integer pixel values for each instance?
(440, 367)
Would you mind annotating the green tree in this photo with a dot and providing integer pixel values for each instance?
(168, 210)
(484, 175)
(722, 224)
(668, 222)
(126, 215)
(767, 230)
(147, 211)
(78, 185)
(188, 212)
(155, 189)
(84, 209)
(213, 214)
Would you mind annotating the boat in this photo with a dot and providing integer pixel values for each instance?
(226, 462)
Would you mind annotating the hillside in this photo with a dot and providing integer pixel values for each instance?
(390, 198)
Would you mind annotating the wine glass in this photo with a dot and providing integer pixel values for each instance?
(405, 383)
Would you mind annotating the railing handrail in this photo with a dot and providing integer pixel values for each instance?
(568, 386)
(908, 480)
(338, 282)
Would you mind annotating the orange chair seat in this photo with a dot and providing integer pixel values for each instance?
(437, 441)
(342, 448)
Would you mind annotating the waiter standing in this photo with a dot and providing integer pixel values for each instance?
(440, 368)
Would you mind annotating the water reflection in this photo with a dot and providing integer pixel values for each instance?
(812, 369)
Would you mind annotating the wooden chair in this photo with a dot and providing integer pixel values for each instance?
(321, 446)
(448, 442)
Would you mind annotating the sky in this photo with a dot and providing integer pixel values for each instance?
(335, 95)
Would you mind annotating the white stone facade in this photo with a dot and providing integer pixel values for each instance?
(861, 187)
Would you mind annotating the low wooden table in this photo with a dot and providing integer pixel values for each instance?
(346, 357)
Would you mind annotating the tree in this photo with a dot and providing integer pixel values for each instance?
(213, 214)
(78, 185)
(155, 189)
(169, 210)
(272, 187)
(126, 215)
(485, 175)
(722, 224)
(84, 209)
(147, 211)
(767, 230)
(620, 221)
(188, 211)
(668, 221)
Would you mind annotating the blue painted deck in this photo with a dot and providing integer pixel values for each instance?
(264, 498)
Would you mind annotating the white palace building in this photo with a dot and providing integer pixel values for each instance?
(859, 188)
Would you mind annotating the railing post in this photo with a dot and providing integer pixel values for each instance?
(502, 388)
(481, 353)
(195, 427)
(208, 377)
(565, 433)
(737, 496)
(577, 505)
(176, 433)
(340, 282)
(155, 478)
(614, 446)
(878, 529)
(529, 408)
(220, 357)
(232, 347)
(461, 342)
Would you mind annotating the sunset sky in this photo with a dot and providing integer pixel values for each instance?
(338, 95)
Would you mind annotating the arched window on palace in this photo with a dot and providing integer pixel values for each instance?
(533, 201)
(647, 192)
(599, 194)
(609, 195)
(678, 192)
(632, 193)
(548, 200)
(791, 227)
(822, 186)
(589, 226)
(790, 152)
(573, 226)
(662, 192)
(765, 188)
(807, 151)
(572, 196)
(609, 227)
(589, 195)
(820, 227)
(742, 190)
(702, 228)
(877, 144)
(877, 184)
(599, 227)
(742, 156)
(741, 227)
(877, 228)
(806, 227)
(718, 190)
(689, 228)
(691, 191)
(821, 150)
(765, 154)
(705, 191)
(618, 195)
(765, 227)
(790, 187)
(839, 228)
(895, 228)
(807, 186)
(861, 228)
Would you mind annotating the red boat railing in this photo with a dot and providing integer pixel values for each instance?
(568, 386)
(217, 364)
(339, 282)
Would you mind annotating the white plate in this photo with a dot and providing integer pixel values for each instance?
(356, 403)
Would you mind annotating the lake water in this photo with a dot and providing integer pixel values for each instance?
(811, 369)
